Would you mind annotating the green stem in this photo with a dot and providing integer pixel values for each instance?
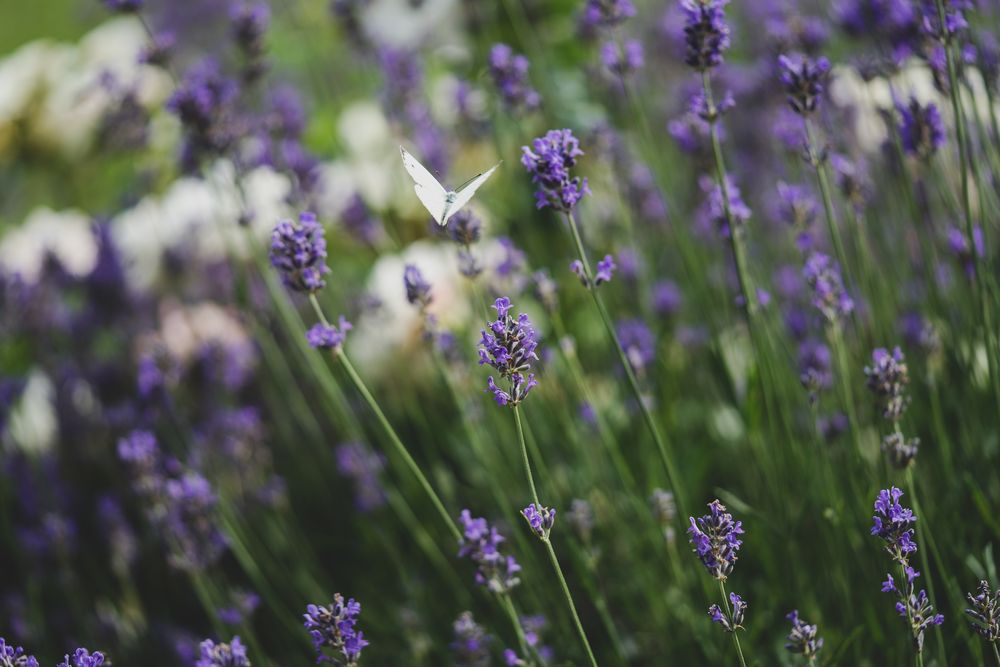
(398, 444)
(508, 606)
(729, 613)
(824, 186)
(569, 602)
(647, 415)
(996, 652)
(548, 544)
(524, 457)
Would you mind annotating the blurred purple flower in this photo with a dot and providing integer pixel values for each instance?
(921, 128)
(298, 252)
(706, 33)
(328, 336)
(803, 639)
(481, 544)
(233, 654)
(363, 466)
(804, 81)
(549, 161)
(509, 71)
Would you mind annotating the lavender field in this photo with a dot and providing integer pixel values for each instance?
(706, 371)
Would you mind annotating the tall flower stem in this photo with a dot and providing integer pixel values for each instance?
(739, 253)
(390, 432)
(996, 652)
(818, 163)
(729, 613)
(548, 544)
(923, 538)
(672, 478)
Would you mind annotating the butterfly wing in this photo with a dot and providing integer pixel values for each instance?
(431, 194)
(463, 196)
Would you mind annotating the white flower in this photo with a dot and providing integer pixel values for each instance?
(66, 234)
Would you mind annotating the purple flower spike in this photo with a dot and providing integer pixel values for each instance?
(804, 638)
(920, 128)
(418, 290)
(509, 71)
(829, 295)
(541, 519)
(14, 656)
(804, 80)
(549, 160)
(715, 537)
(233, 654)
(334, 635)
(481, 544)
(733, 623)
(622, 59)
(894, 524)
(298, 252)
(605, 270)
(706, 33)
(887, 378)
(327, 336)
(508, 345)
(984, 612)
(83, 658)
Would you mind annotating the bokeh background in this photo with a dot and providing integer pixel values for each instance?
(177, 464)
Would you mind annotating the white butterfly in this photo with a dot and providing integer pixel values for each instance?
(441, 203)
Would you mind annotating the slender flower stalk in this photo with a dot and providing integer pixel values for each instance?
(716, 541)
(298, 252)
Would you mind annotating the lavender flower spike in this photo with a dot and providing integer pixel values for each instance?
(508, 345)
(715, 538)
(298, 252)
(14, 656)
(803, 80)
(233, 654)
(803, 638)
(83, 658)
(894, 524)
(332, 629)
(327, 336)
(541, 519)
(705, 32)
(481, 544)
(887, 378)
(510, 75)
(736, 621)
(984, 612)
(549, 160)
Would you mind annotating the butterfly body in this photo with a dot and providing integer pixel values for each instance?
(441, 203)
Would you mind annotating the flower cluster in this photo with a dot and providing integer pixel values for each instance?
(481, 544)
(900, 450)
(607, 13)
(734, 621)
(894, 524)
(803, 639)
(508, 345)
(540, 518)
(638, 342)
(706, 32)
(83, 658)
(920, 128)
(204, 102)
(328, 336)
(233, 654)
(829, 295)
(190, 524)
(726, 209)
(605, 271)
(509, 71)
(418, 290)
(715, 537)
(984, 612)
(622, 59)
(887, 378)
(14, 656)
(298, 252)
(803, 80)
(332, 629)
(913, 605)
(249, 23)
(471, 646)
(549, 160)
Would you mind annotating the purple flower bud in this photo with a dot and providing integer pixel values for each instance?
(706, 33)
(15, 656)
(298, 252)
(333, 630)
(327, 336)
(510, 76)
(803, 639)
(541, 519)
(920, 128)
(715, 538)
(418, 290)
(549, 160)
(984, 612)
(471, 646)
(481, 544)
(622, 59)
(804, 80)
(233, 654)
